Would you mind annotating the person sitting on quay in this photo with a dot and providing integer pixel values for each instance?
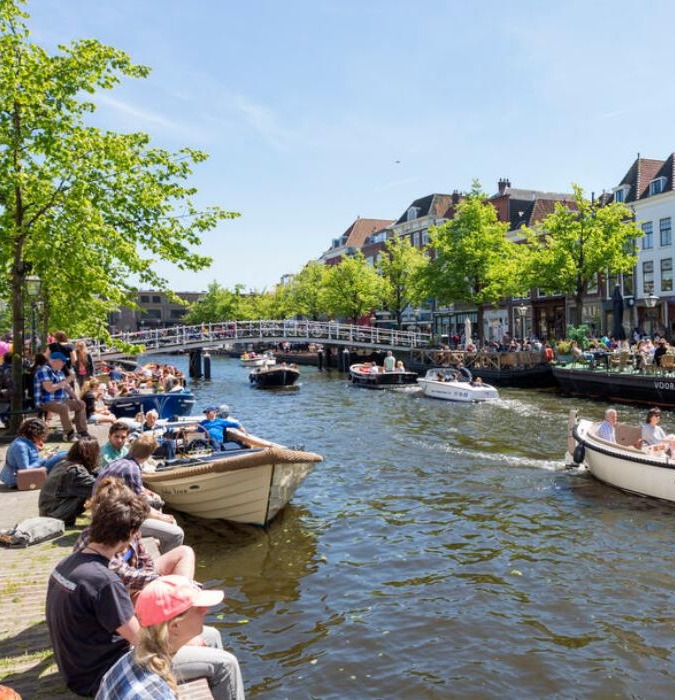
(170, 612)
(24, 451)
(389, 362)
(70, 482)
(117, 446)
(137, 568)
(90, 615)
(161, 526)
(216, 427)
(60, 344)
(54, 393)
(96, 412)
(606, 429)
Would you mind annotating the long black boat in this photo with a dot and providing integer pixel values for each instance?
(534, 377)
(619, 387)
(363, 374)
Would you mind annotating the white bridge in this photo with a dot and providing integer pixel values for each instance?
(228, 333)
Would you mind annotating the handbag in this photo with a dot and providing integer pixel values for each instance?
(31, 479)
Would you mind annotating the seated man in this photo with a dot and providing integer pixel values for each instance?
(54, 393)
(217, 427)
(160, 525)
(117, 446)
(606, 429)
(166, 447)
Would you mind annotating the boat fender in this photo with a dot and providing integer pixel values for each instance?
(579, 453)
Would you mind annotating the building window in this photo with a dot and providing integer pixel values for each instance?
(667, 275)
(648, 277)
(413, 213)
(648, 238)
(628, 284)
(619, 195)
(177, 313)
(656, 186)
(416, 239)
(156, 300)
(154, 313)
(664, 229)
(144, 298)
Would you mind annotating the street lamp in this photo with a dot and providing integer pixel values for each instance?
(521, 310)
(650, 302)
(33, 287)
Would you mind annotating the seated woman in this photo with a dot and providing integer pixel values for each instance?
(92, 393)
(400, 367)
(70, 482)
(24, 451)
(653, 435)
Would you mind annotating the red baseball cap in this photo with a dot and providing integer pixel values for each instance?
(169, 596)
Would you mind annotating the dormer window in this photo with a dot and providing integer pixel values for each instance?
(413, 213)
(657, 186)
(620, 194)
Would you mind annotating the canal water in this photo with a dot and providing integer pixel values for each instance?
(440, 551)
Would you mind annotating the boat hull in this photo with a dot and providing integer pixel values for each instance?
(360, 376)
(463, 392)
(647, 390)
(167, 405)
(248, 486)
(274, 377)
(625, 467)
(537, 377)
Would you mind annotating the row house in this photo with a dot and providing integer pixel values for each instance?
(353, 239)
(648, 188)
(154, 310)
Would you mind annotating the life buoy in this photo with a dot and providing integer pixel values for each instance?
(579, 453)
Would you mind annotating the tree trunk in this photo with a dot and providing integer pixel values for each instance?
(18, 275)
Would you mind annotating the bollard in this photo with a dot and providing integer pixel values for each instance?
(345, 360)
(207, 366)
(319, 360)
(196, 364)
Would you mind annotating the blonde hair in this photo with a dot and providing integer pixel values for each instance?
(142, 447)
(152, 652)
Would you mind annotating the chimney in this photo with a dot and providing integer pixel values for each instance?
(503, 184)
(455, 197)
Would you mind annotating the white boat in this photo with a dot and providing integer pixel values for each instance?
(253, 360)
(456, 385)
(249, 483)
(641, 470)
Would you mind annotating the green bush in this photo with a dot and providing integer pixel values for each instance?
(580, 334)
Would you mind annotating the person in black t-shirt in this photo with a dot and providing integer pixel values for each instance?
(90, 615)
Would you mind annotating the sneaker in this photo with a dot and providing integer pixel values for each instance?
(69, 436)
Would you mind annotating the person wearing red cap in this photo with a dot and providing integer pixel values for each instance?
(171, 613)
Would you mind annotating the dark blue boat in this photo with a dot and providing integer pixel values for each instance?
(167, 405)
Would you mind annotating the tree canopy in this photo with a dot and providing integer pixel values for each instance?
(401, 267)
(353, 288)
(86, 210)
(473, 260)
(573, 245)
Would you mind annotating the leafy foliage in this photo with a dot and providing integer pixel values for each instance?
(573, 245)
(401, 268)
(474, 261)
(353, 288)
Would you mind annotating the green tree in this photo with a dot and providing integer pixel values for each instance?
(474, 262)
(401, 267)
(218, 304)
(308, 291)
(353, 287)
(573, 245)
(87, 210)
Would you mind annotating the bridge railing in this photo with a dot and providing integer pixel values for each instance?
(234, 331)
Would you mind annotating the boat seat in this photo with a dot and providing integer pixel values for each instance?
(628, 435)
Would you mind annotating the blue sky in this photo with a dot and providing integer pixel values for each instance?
(315, 112)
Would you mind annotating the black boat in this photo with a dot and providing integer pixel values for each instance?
(619, 387)
(274, 376)
(535, 377)
(374, 377)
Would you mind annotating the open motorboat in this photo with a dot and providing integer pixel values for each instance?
(274, 376)
(167, 404)
(252, 359)
(647, 471)
(368, 374)
(456, 385)
(248, 482)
